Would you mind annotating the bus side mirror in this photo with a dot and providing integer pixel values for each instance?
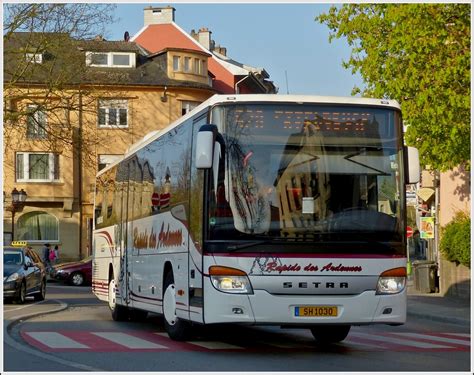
(412, 176)
(205, 146)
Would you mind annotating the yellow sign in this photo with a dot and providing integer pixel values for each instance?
(427, 227)
(19, 243)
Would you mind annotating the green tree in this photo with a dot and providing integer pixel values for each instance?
(419, 55)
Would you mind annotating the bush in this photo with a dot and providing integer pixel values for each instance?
(456, 240)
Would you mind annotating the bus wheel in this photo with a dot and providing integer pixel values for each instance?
(119, 312)
(330, 334)
(176, 328)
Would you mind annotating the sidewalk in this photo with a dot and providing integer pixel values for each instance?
(436, 307)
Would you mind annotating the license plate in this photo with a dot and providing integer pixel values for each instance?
(309, 311)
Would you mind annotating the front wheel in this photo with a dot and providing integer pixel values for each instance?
(119, 312)
(330, 334)
(77, 279)
(41, 295)
(176, 328)
(21, 294)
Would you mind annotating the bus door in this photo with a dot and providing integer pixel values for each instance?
(124, 230)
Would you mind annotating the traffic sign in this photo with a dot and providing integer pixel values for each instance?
(409, 232)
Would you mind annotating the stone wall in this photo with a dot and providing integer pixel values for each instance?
(455, 279)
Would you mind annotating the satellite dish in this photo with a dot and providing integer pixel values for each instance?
(126, 36)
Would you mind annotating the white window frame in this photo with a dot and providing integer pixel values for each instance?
(188, 106)
(107, 105)
(110, 59)
(52, 160)
(107, 160)
(37, 112)
(34, 58)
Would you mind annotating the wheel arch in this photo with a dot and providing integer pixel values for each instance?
(166, 269)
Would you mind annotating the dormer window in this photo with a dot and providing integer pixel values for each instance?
(34, 58)
(111, 59)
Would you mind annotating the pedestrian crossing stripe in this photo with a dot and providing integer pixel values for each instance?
(113, 341)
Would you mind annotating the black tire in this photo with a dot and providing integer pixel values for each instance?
(137, 315)
(41, 295)
(77, 279)
(119, 312)
(21, 294)
(177, 329)
(330, 334)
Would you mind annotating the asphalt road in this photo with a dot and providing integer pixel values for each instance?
(80, 335)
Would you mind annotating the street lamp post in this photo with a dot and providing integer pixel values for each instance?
(18, 202)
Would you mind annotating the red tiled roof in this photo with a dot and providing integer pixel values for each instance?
(155, 38)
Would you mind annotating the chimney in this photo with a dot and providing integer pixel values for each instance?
(204, 38)
(221, 50)
(157, 16)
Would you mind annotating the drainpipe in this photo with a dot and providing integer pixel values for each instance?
(80, 172)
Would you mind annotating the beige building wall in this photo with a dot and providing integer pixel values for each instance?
(455, 194)
(70, 200)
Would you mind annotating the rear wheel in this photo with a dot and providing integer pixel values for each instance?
(119, 312)
(176, 328)
(330, 334)
(41, 295)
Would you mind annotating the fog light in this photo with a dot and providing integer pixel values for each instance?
(237, 310)
(387, 311)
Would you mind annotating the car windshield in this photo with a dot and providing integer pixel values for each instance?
(306, 173)
(12, 257)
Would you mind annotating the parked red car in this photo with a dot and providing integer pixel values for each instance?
(75, 273)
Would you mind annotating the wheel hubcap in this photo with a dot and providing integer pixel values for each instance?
(77, 279)
(169, 305)
(112, 294)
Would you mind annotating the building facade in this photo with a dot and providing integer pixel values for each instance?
(71, 107)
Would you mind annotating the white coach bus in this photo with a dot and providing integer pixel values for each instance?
(260, 209)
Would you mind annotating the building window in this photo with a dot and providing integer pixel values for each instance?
(36, 123)
(105, 160)
(37, 226)
(187, 64)
(99, 59)
(111, 59)
(113, 113)
(176, 65)
(120, 60)
(187, 106)
(197, 66)
(34, 58)
(37, 167)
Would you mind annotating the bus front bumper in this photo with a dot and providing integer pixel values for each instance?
(264, 308)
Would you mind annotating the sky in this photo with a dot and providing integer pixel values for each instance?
(277, 37)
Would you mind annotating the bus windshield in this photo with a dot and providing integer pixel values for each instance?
(306, 173)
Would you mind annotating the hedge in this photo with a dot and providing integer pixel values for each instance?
(456, 240)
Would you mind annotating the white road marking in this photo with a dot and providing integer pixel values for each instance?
(394, 340)
(129, 341)
(55, 340)
(434, 338)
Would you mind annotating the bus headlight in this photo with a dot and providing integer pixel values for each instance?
(230, 280)
(392, 281)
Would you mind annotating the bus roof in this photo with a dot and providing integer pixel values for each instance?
(257, 98)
